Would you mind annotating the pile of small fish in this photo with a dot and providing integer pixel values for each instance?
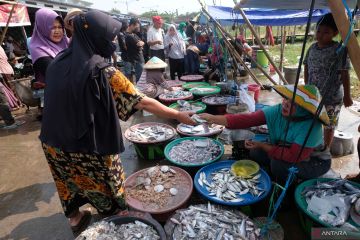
(108, 230)
(216, 100)
(225, 186)
(175, 94)
(332, 201)
(202, 90)
(191, 107)
(199, 129)
(155, 186)
(150, 134)
(212, 223)
(195, 151)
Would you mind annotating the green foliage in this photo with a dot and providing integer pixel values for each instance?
(115, 11)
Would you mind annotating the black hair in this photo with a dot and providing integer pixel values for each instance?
(327, 20)
(124, 25)
(134, 21)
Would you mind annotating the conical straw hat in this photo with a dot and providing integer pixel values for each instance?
(155, 63)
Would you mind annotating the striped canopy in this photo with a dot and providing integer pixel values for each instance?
(307, 97)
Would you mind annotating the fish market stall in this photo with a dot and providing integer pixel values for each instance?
(192, 78)
(329, 203)
(158, 190)
(211, 222)
(194, 151)
(182, 106)
(217, 104)
(150, 139)
(202, 130)
(168, 98)
(218, 183)
(126, 225)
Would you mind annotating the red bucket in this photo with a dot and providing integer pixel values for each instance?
(256, 89)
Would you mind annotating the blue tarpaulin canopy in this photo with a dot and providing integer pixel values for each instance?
(263, 17)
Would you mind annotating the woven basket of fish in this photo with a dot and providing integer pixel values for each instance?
(194, 151)
(216, 104)
(202, 130)
(210, 222)
(171, 97)
(197, 107)
(126, 225)
(158, 190)
(190, 85)
(205, 91)
(150, 139)
(175, 83)
(192, 78)
(332, 203)
(217, 183)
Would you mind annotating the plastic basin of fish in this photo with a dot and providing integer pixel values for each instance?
(185, 189)
(126, 217)
(169, 101)
(199, 92)
(190, 85)
(211, 134)
(192, 78)
(309, 220)
(265, 183)
(200, 104)
(216, 108)
(189, 165)
(153, 150)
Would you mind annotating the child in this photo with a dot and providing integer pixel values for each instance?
(320, 63)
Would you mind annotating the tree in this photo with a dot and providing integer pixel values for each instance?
(115, 11)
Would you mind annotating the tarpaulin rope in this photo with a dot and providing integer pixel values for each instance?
(351, 25)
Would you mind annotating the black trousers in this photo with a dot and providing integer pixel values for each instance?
(176, 66)
(158, 53)
(5, 113)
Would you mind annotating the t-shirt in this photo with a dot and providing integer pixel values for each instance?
(297, 132)
(321, 64)
(134, 52)
(40, 66)
(122, 46)
(156, 35)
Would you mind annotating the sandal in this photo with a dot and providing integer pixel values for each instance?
(83, 223)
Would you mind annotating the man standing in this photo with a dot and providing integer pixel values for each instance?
(134, 47)
(155, 38)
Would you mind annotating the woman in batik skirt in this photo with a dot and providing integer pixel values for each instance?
(80, 133)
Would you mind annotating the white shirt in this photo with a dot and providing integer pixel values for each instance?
(154, 34)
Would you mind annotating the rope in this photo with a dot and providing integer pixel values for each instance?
(351, 26)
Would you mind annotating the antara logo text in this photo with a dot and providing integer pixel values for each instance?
(334, 233)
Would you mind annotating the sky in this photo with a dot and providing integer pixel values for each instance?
(141, 6)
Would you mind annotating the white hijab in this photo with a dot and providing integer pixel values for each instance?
(176, 39)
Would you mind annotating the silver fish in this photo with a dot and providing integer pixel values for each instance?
(227, 187)
(212, 222)
(108, 230)
(150, 134)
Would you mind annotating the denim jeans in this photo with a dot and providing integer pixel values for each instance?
(39, 94)
(137, 67)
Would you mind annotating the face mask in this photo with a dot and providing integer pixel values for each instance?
(108, 50)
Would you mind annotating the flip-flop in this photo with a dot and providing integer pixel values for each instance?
(83, 223)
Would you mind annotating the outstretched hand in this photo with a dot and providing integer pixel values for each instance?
(185, 117)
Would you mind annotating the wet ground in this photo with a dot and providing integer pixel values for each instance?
(29, 204)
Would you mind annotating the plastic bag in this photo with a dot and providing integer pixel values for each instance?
(244, 97)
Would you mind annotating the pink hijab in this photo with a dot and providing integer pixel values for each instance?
(40, 44)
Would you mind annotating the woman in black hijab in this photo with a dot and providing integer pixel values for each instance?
(80, 133)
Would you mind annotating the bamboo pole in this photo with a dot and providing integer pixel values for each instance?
(7, 24)
(222, 30)
(260, 44)
(281, 48)
(342, 22)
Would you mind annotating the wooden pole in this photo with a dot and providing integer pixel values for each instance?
(7, 24)
(338, 10)
(260, 44)
(281, 48)
(224, 33)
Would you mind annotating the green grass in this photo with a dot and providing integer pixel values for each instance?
(292, 54)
